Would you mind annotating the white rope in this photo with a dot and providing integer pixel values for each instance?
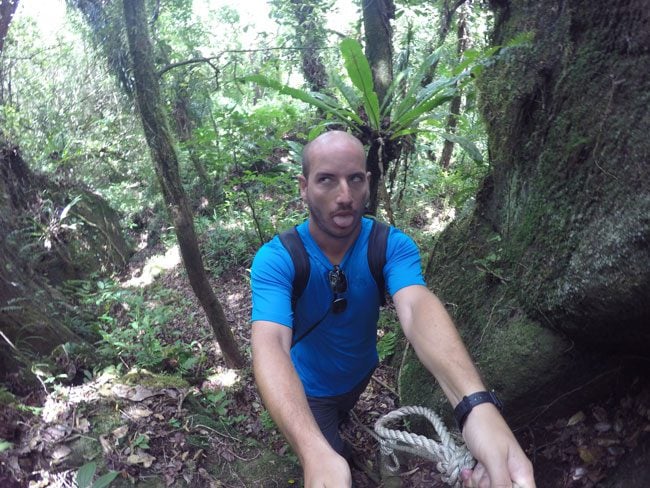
(449, 457)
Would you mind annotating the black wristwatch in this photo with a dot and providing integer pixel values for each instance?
(468, 402)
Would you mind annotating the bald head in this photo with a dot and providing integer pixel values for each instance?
(325, 143)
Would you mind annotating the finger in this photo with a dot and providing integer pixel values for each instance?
(497, 474)
(466, 477)
(479, 476)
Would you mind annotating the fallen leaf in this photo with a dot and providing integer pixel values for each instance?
(61, 452)
(120, 432)
(578, 473)
(587, 455)
(602, 426)
(55, 433)
(136, 413)
(600, 414)
(107, 446)
(134, 393)
(576, 418)
(607, 442)
(83, 425)
(616, 450)
(141, 458)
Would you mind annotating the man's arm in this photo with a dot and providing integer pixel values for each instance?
(431, 332)
(285, 400)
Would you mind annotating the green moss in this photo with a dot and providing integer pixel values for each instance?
(283, 470)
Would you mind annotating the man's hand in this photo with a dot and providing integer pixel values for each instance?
(501, 461)
(331, 471)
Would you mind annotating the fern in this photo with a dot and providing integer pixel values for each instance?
(386, 345)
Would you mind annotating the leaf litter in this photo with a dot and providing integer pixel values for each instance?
(156, 432)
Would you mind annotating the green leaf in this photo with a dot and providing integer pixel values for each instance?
(340, 113)
(386, 345)
(85, 475)
(415, 90)
(316, 131)
(352, 97)
(67, 208)
(359, 72)
(335, 105)
(4, 445)
(105, 479)
(466, 144)
(410, 117)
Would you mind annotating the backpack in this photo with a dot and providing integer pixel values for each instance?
(377, 243)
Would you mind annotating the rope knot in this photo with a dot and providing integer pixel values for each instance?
(449, 457)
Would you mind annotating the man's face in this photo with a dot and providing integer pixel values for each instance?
(337, 188)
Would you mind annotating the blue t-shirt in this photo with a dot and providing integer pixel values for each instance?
(333, 358)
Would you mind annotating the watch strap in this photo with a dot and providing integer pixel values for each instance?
(468, 402)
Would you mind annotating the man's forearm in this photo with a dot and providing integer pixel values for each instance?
(431, 332)
(283, 394)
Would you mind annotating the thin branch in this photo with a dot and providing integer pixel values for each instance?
(209, 59)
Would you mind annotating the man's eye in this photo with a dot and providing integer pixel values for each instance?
(357, 179)
(324, 179)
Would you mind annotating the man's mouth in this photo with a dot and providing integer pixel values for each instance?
(343, 219)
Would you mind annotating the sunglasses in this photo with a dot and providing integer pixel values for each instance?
(339, 285)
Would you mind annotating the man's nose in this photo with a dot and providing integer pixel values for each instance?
(344, 194)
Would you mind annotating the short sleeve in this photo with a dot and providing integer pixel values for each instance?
(403, 265)
(271, 284)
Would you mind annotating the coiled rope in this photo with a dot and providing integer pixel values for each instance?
(450, 458)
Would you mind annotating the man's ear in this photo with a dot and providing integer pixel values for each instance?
(302, 181)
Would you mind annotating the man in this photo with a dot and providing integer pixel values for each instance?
(310, 387)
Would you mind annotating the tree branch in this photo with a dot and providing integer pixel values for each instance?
(208, 60)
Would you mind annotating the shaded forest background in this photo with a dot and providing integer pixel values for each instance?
(148, 148)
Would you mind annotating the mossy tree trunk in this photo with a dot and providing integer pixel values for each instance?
(377, 15)
(310, 35)
(462, 39)
(548, 278)
(7, 10)
(164, 156)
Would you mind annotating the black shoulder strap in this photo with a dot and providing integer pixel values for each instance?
(377, 244)
(293, 244)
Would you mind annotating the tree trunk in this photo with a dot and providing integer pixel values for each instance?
(548, 279)
(158, 137)
(7, 10)
(310, 35)
(377, 15)
(184, 125)
(454, 106)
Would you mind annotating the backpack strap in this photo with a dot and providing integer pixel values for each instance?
(377, 244)
(296, 249)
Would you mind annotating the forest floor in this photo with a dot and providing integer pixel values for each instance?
(156, 431)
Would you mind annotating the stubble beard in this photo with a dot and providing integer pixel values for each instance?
(327, 226)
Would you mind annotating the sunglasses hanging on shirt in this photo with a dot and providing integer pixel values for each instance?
(339, 285)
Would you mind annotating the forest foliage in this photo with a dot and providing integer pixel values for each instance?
(241, 100)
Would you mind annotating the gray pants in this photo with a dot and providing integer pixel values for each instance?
(331, 412)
